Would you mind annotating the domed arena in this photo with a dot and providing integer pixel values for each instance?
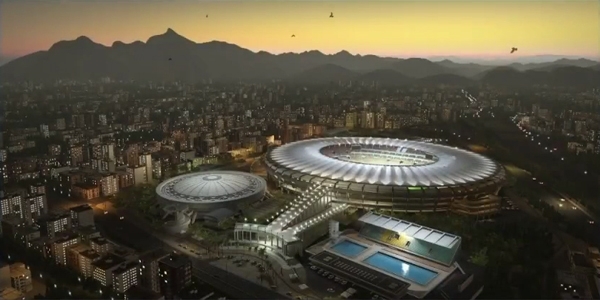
(399, 175)
(207, 191)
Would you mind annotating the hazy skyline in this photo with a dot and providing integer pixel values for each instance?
(474, 29)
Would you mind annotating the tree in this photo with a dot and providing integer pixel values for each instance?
(480, 258)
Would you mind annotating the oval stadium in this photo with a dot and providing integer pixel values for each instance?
(207, 191)
(394, 174)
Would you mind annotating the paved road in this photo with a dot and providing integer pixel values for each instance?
(128, 232)
(235, 286)
(565, 205)
(569, 209)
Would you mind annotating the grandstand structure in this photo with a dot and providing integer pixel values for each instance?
(302, 222)
(395, 258)
(391, 174)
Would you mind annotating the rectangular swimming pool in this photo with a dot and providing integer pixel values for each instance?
(348, 248)
(401, 268)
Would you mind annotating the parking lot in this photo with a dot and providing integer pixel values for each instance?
(255, 270)
(326, 284)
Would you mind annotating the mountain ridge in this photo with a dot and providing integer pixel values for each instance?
(171, 56)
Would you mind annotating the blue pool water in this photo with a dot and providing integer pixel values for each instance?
(348, 248)
(401, 268)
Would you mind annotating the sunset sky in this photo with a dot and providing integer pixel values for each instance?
(478, 28)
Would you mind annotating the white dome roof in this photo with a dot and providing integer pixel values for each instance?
(212, 186)
(446, 166)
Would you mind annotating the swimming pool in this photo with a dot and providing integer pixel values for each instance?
(348, 248)
(401, 268)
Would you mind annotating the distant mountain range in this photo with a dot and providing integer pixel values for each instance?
(170, 56)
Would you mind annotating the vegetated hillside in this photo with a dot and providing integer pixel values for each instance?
(563, 76)
(324, 74)
(170, 56)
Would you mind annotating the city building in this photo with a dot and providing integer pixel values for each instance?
(207, 191)
(53, 224)
(20, 278)
(101, 245)
(150, 278)
(126, 276)
(104, 268)
(175, 274)
(397, 259)
(29, 207)
(16, 229)
(61, 245)
(302, 223)
(87, 259)
(85, 191)
(82, 216)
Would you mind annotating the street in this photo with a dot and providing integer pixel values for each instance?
(573, 213)
(128, 232)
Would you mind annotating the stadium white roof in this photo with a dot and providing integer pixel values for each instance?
(416, 231)
(451, 166)
(212, 186)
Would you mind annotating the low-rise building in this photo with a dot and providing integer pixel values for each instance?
(101, 245)
(103, 269)
(85, 191)
(20, 278)
(126, 276)
(11, 294)
(60, 247)
(82, 216)
(149, 269)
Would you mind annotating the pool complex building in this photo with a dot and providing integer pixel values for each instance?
(398, 259)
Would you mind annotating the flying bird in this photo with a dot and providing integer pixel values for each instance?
(170, 58)
(331, 15)
(513, 50)
(207, 16)
(293, 35)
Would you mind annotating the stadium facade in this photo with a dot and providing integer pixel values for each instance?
(383, 173)
(194, 195)
(208, 191)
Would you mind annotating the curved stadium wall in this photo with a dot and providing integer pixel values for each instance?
(391, 174)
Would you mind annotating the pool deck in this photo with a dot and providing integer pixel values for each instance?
(414, 289)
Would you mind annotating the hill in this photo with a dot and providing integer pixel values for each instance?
(561, 76)
(385, 77)
(170, 56)
(446, 79)
(419, 68)
(324, 74)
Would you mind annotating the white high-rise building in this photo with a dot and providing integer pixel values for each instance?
(126, 276)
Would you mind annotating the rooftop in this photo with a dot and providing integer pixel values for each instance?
(153, 255)
(125, 267)
(212, 186)
(81, 208)
(176, 261)
(90, 254)
(413, 230)
(18, 268)
(390, 286)
(108, 262)
(451, 166)
(99, 241)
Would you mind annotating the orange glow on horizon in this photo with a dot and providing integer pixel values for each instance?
(483, 29)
